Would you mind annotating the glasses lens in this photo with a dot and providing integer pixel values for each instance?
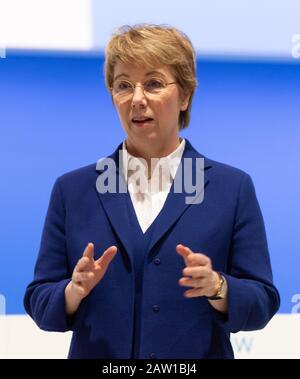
(154, 85)
(122, 87)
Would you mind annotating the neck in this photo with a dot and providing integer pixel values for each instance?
(147, 152)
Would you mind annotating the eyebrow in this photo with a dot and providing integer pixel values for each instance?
(147, 74)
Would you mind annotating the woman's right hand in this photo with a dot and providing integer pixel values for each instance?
(86, 275)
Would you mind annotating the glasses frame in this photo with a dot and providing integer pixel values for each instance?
(133, 86)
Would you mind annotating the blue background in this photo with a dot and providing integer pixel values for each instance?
(56, 115)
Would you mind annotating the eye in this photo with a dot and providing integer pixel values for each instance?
(154, 85)
(122, 86)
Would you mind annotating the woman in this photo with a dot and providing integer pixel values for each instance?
(142, 272)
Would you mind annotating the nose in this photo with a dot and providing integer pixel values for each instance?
(138, 97)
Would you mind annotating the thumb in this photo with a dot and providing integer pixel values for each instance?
(107, 257)
(184, 252)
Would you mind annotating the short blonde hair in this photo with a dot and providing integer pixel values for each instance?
(149, 45)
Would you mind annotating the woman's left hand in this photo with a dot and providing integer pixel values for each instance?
(198, 273)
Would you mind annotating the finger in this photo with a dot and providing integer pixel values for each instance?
(89, 251)
(196, 292)
(198, 259)
(196, 272)
(107, 257)
(184, 252)
(191, 258)
(82, 264)
(191, 282)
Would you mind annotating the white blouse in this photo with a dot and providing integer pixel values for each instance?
(148, 196)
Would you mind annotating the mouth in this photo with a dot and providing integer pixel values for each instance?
(141, 121)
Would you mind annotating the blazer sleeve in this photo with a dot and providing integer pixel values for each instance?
(252, 296)
(44, 299)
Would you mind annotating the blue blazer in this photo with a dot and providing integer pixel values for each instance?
(227, 226)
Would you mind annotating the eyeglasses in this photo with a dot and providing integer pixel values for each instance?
(151, 86)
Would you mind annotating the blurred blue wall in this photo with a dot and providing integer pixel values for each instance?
(55, 115)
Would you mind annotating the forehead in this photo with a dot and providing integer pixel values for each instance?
(138, 72)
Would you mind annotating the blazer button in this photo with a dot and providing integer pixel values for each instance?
(156, 308)
(157, 261)
(152, 355)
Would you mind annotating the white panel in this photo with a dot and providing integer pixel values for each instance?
(231, 27)
(21, 338)
(46, 24)
(279, 339)
(216, 27)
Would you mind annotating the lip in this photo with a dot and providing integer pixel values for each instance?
(140, 117)
(142, 123)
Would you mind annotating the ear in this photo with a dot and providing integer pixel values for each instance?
(185, 101)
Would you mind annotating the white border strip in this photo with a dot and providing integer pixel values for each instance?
(21, 338)
(231, 28)
(46, 24)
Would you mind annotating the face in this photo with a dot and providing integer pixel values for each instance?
(149, 120)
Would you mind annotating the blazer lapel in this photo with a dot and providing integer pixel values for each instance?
(115, 203)
(177, 203)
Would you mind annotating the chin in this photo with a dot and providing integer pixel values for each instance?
(143, 135)
(150, 138)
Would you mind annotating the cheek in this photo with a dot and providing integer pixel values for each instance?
(163, 108)
(123, 111)
(167, 109)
